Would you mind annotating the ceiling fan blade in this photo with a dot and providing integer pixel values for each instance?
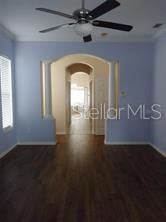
(55, 28)
(54, 12)
(111, 25)
(87, 38)
(104, 8)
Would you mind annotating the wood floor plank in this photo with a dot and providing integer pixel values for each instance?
(82, 180)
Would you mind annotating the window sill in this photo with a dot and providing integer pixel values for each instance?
(8, 129)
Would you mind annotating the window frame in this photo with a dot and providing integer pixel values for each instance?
(9, 127)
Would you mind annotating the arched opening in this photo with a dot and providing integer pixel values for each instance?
(58, 73)
(79, 99)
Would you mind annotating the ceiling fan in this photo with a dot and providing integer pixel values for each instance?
(85, 19)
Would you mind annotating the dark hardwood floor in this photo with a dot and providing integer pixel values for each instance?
(80, 126)
(82, 180)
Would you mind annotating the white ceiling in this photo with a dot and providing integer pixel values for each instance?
(21, 18)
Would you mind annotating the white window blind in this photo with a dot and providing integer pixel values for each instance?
(6, 92)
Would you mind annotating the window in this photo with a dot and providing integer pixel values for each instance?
(6, 92)
(77, 96)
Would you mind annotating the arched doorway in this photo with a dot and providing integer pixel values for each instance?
(79, 98)
(60, 70)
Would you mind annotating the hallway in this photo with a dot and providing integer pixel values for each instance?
(80, 126)
(82, 180)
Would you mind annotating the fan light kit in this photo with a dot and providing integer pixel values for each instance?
(85, 19)
(83, 29)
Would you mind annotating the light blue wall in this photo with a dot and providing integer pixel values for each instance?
(159, 96)
(135, 79)
(142, 78)
(9, 139)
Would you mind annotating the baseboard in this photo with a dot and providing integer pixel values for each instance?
(105, 142)
(126, 143)
(36, 143)
(7, 151)
(137, 143)
(158, 149)
(26, 144)
(61, 133)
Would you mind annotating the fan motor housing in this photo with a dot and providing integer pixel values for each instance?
(82, 15)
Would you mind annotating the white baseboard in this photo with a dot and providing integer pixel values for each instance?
(105, 142)
(126, 143)
(158, 149)
(137, 143)
(26, 144)
(36, 143)
(7, 151)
